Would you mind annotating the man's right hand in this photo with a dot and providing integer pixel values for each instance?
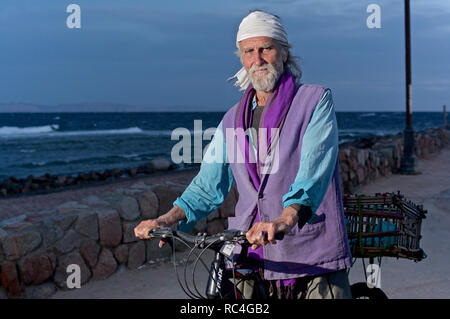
(141, 231)
(170, 218)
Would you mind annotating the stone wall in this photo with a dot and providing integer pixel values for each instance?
(97, 232)
(365, 160)
(13, 186)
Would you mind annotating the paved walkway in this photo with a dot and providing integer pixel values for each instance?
(429, 278)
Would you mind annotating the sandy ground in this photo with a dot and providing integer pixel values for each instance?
(399, 278)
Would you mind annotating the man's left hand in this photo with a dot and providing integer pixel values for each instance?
(263, 233)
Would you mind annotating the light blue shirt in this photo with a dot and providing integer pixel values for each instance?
(319, 152)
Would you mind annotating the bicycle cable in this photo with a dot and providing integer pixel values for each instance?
(195, 266)
(199, 296)
(175, 266)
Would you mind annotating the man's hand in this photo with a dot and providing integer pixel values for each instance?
(173, 216)
(141, 231)
(263, 233)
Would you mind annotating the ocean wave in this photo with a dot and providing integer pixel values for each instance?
(367, 114)
(107, 159)
(131, 156)
(359, 132)
(53, 130)
(30, 130)
(129, 130)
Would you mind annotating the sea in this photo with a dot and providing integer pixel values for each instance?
(71, 143)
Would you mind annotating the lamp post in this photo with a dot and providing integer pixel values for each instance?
(408, 162)
(444, 110)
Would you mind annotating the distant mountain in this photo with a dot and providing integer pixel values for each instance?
(94, 107)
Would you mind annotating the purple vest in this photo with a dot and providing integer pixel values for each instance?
(317, 248)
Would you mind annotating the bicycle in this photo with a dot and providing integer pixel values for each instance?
(384, 225)
(219, 285)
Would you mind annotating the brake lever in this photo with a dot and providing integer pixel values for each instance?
(161, 232)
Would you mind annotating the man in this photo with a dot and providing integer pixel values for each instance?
(300, 195)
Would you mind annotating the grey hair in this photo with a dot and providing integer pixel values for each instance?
(291, 61)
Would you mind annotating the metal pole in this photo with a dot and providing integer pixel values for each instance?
(408, 162)
(445, 116)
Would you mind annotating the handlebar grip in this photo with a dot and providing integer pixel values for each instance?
(278, 236)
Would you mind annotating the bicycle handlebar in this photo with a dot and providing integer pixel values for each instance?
(233, 235)
(222, 243)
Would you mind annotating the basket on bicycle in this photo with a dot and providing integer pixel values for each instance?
(384, 225)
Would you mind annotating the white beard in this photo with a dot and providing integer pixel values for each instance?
(267, 82)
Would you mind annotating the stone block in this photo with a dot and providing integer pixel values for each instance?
(160, 164)
(166, 196)
(89, 250)
(19, 226)
(20, 244)
(136, 254)
(342, 156)
(361, 157)
(36, 268)
(149, 205)
(64, 221)
(50, 232)
(10, 280)
(61, 274)
(110, 227)
(69, 242)
(106, 265)
(126, 206)
(70, 208)
(87, 225)
(121, 253)
(13, 220)
(128, 232)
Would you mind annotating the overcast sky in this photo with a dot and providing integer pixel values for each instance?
(166, 53)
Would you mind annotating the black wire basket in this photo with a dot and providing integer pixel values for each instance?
(384, 225)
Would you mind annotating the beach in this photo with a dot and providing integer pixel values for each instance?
(400, 278)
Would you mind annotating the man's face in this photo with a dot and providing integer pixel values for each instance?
(263, 58)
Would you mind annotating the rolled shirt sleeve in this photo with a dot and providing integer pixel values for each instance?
(210, 186)
(318, 157)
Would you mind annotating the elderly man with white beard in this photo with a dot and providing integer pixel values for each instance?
(301, 197)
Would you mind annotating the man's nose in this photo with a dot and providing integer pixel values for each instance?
(258, 59)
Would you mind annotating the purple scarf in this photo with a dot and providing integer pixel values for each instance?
(272, 116)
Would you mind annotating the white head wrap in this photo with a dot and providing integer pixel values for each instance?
(257, 24)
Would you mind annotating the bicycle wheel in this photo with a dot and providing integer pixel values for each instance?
(360, 290)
